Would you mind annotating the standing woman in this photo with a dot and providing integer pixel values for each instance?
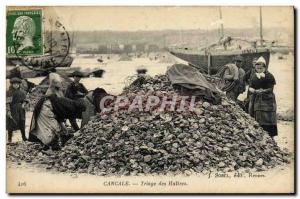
(15, 103)
(262, 105)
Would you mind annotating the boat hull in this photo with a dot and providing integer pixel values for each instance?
(42, 63)
(218, 60)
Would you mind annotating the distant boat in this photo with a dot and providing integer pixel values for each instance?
(88, 56)
(277, 47)
(282, 49)
(218, 58)
(42, 62)
(210, 59)
(24, 71)
(87, 72)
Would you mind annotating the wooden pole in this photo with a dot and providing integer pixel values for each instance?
(208, 63)
(221, 21)
(260, 26)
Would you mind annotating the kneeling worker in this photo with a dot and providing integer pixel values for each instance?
(76, 91)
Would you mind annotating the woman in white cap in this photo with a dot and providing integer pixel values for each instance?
(262, 105)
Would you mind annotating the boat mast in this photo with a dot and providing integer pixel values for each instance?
(51, 36)
(165, 42)
(221, 22)
(181, 40)
(260, 26)
(110, 47)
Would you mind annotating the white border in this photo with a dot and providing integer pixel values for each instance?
(106, 2)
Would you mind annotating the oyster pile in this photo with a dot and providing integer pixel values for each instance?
(211, 138)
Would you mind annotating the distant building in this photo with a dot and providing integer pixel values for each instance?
(140, 47)
(102, 49)
(87, 48)
(115, 49)
(133, 48)
(153, 48)
(121, 46)
(127, 48)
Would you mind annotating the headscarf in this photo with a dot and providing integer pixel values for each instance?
(261, 60)
(55, 86)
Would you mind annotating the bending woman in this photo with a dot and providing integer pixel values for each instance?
(49, 114)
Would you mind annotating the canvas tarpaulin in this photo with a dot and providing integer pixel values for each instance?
(190, 81)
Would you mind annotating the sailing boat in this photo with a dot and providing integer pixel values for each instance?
(210, 59)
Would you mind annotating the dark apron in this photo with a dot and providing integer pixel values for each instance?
(263, 108)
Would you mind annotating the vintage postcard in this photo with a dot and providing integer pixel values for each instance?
(141, 99)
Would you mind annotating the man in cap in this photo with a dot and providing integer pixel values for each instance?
(76, 91)
(247, 80)
(25, 85)
(234, 75)
(248, 74)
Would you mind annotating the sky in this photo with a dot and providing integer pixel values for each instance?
(160, 18)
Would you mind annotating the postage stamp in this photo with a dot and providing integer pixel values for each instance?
(24, 32)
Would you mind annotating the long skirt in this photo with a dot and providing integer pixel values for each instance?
(47, 128)
(263, 109)
(266, 121)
